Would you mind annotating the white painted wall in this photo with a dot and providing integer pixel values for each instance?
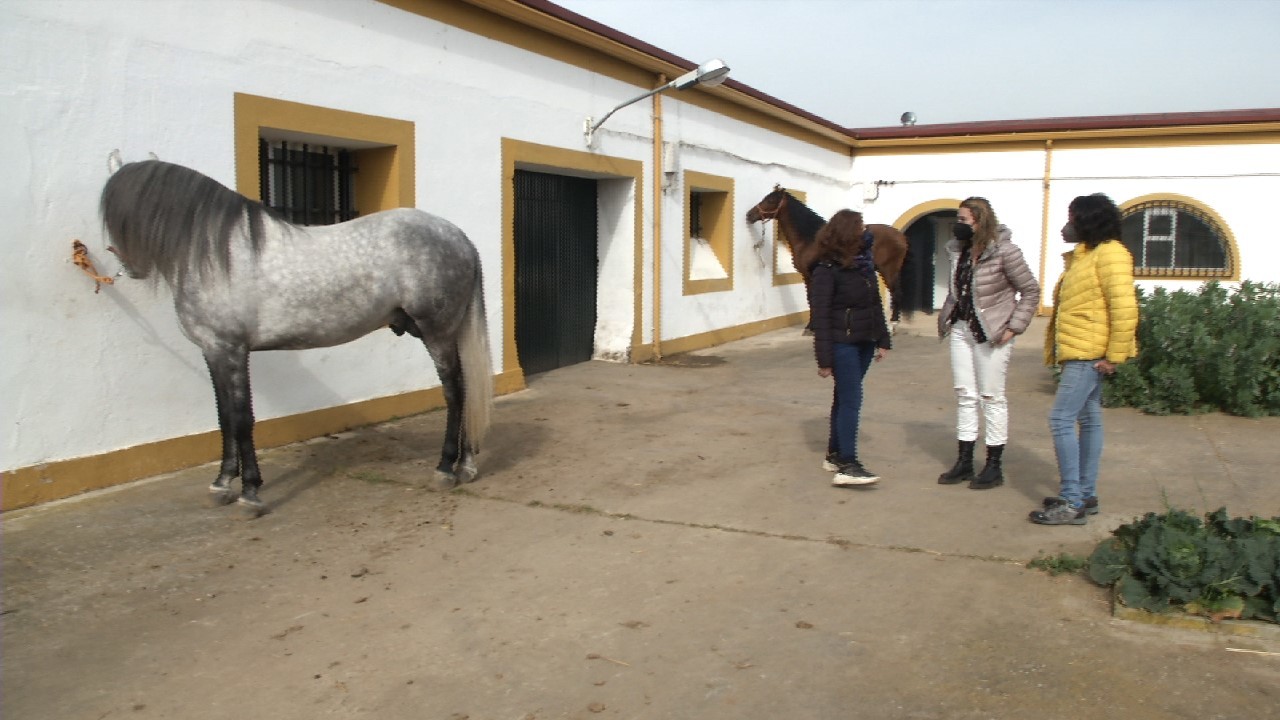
(1235, 181)
(84, 374)
(756, 160)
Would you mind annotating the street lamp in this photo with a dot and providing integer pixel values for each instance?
(709, 73)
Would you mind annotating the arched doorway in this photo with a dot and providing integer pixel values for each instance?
(923, 284)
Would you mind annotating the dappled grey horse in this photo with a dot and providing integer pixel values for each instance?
(245, 280)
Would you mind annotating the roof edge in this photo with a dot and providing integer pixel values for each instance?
(1069, 124)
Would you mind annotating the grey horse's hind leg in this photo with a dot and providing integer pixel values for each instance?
(467, 471)
(449, 369)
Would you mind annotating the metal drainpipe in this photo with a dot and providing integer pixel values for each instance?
(657, 221)
(1044, 227)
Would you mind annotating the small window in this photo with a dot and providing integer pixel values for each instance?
(1176, 239)
(307, 184)
(319, 166)
(708, 258)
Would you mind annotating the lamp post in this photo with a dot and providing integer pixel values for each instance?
(709, 73)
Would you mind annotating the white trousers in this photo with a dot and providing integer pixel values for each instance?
(978, 372)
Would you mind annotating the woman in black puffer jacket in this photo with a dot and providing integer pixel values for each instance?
(847, 315)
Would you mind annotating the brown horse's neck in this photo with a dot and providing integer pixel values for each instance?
(795, 240)
(799, 223)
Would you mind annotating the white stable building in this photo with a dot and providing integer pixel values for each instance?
(624, 243)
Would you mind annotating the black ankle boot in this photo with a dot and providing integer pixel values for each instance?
(962, 471)
(991, 475)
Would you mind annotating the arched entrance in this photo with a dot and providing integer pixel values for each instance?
(923, 285)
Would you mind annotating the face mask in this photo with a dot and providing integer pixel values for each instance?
(1069, 233)
(963, 233)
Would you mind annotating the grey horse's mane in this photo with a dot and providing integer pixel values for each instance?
(170, 219)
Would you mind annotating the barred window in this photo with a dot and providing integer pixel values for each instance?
(1171, 238)
(307, 184)
(708, 253)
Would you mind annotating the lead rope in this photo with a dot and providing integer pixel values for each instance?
(80, 256)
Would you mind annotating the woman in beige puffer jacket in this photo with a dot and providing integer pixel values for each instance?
(989, 302)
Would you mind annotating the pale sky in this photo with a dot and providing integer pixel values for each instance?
(862, 63)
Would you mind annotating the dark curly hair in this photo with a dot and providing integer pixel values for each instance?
(840, 240)
(1096, 219)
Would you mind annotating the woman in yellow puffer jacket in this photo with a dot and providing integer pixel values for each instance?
(1093, 329)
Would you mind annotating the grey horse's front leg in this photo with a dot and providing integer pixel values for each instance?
(220, 490)
(230, 372)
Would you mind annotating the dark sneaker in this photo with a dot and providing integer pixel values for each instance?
(1059, 512)
(1090, 504)
(853, 473)
(831, 463)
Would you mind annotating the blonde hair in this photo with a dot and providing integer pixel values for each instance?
(984, 223)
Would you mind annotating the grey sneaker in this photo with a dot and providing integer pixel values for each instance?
(1090, 504)
(852, 473)
(1059, 512)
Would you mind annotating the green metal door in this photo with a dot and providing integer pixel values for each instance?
(556, 270)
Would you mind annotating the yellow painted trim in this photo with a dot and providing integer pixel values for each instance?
(717, 216)
(1233, 249)
(518, 25)
(44, 482)
(925, 208)
(1042, 308)
(1143, 137)
(791, 278)
(712, 338)
(659, 172)
(518, 154)
(387, 173)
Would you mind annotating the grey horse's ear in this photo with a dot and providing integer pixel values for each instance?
(113, 161)
(153, 156)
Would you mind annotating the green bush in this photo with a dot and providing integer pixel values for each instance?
(1222, 567)
(1204, 351)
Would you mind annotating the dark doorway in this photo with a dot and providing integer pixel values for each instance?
(924, 282)
(915, 289)
(556, 275)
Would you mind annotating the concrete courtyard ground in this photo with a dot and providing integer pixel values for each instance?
(652, 541)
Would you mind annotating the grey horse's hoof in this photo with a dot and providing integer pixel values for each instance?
(446, 480)
(467, 472)
(220, 495)
(252, 509)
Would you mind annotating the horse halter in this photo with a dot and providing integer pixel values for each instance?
(766, 216)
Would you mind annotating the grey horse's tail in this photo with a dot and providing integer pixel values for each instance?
(477, 371)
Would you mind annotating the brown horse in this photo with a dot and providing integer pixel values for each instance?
(800, 225)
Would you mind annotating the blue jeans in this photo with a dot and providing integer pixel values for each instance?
(1077, 404)
(851, 363)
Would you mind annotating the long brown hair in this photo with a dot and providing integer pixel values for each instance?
(840, 240)
(984, 223)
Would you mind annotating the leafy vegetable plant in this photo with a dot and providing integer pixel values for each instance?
(1222, 567)
(1202, 351)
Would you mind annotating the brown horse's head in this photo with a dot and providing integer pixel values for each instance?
(769, 206)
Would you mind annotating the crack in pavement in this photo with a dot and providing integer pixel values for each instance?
(836, 540)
